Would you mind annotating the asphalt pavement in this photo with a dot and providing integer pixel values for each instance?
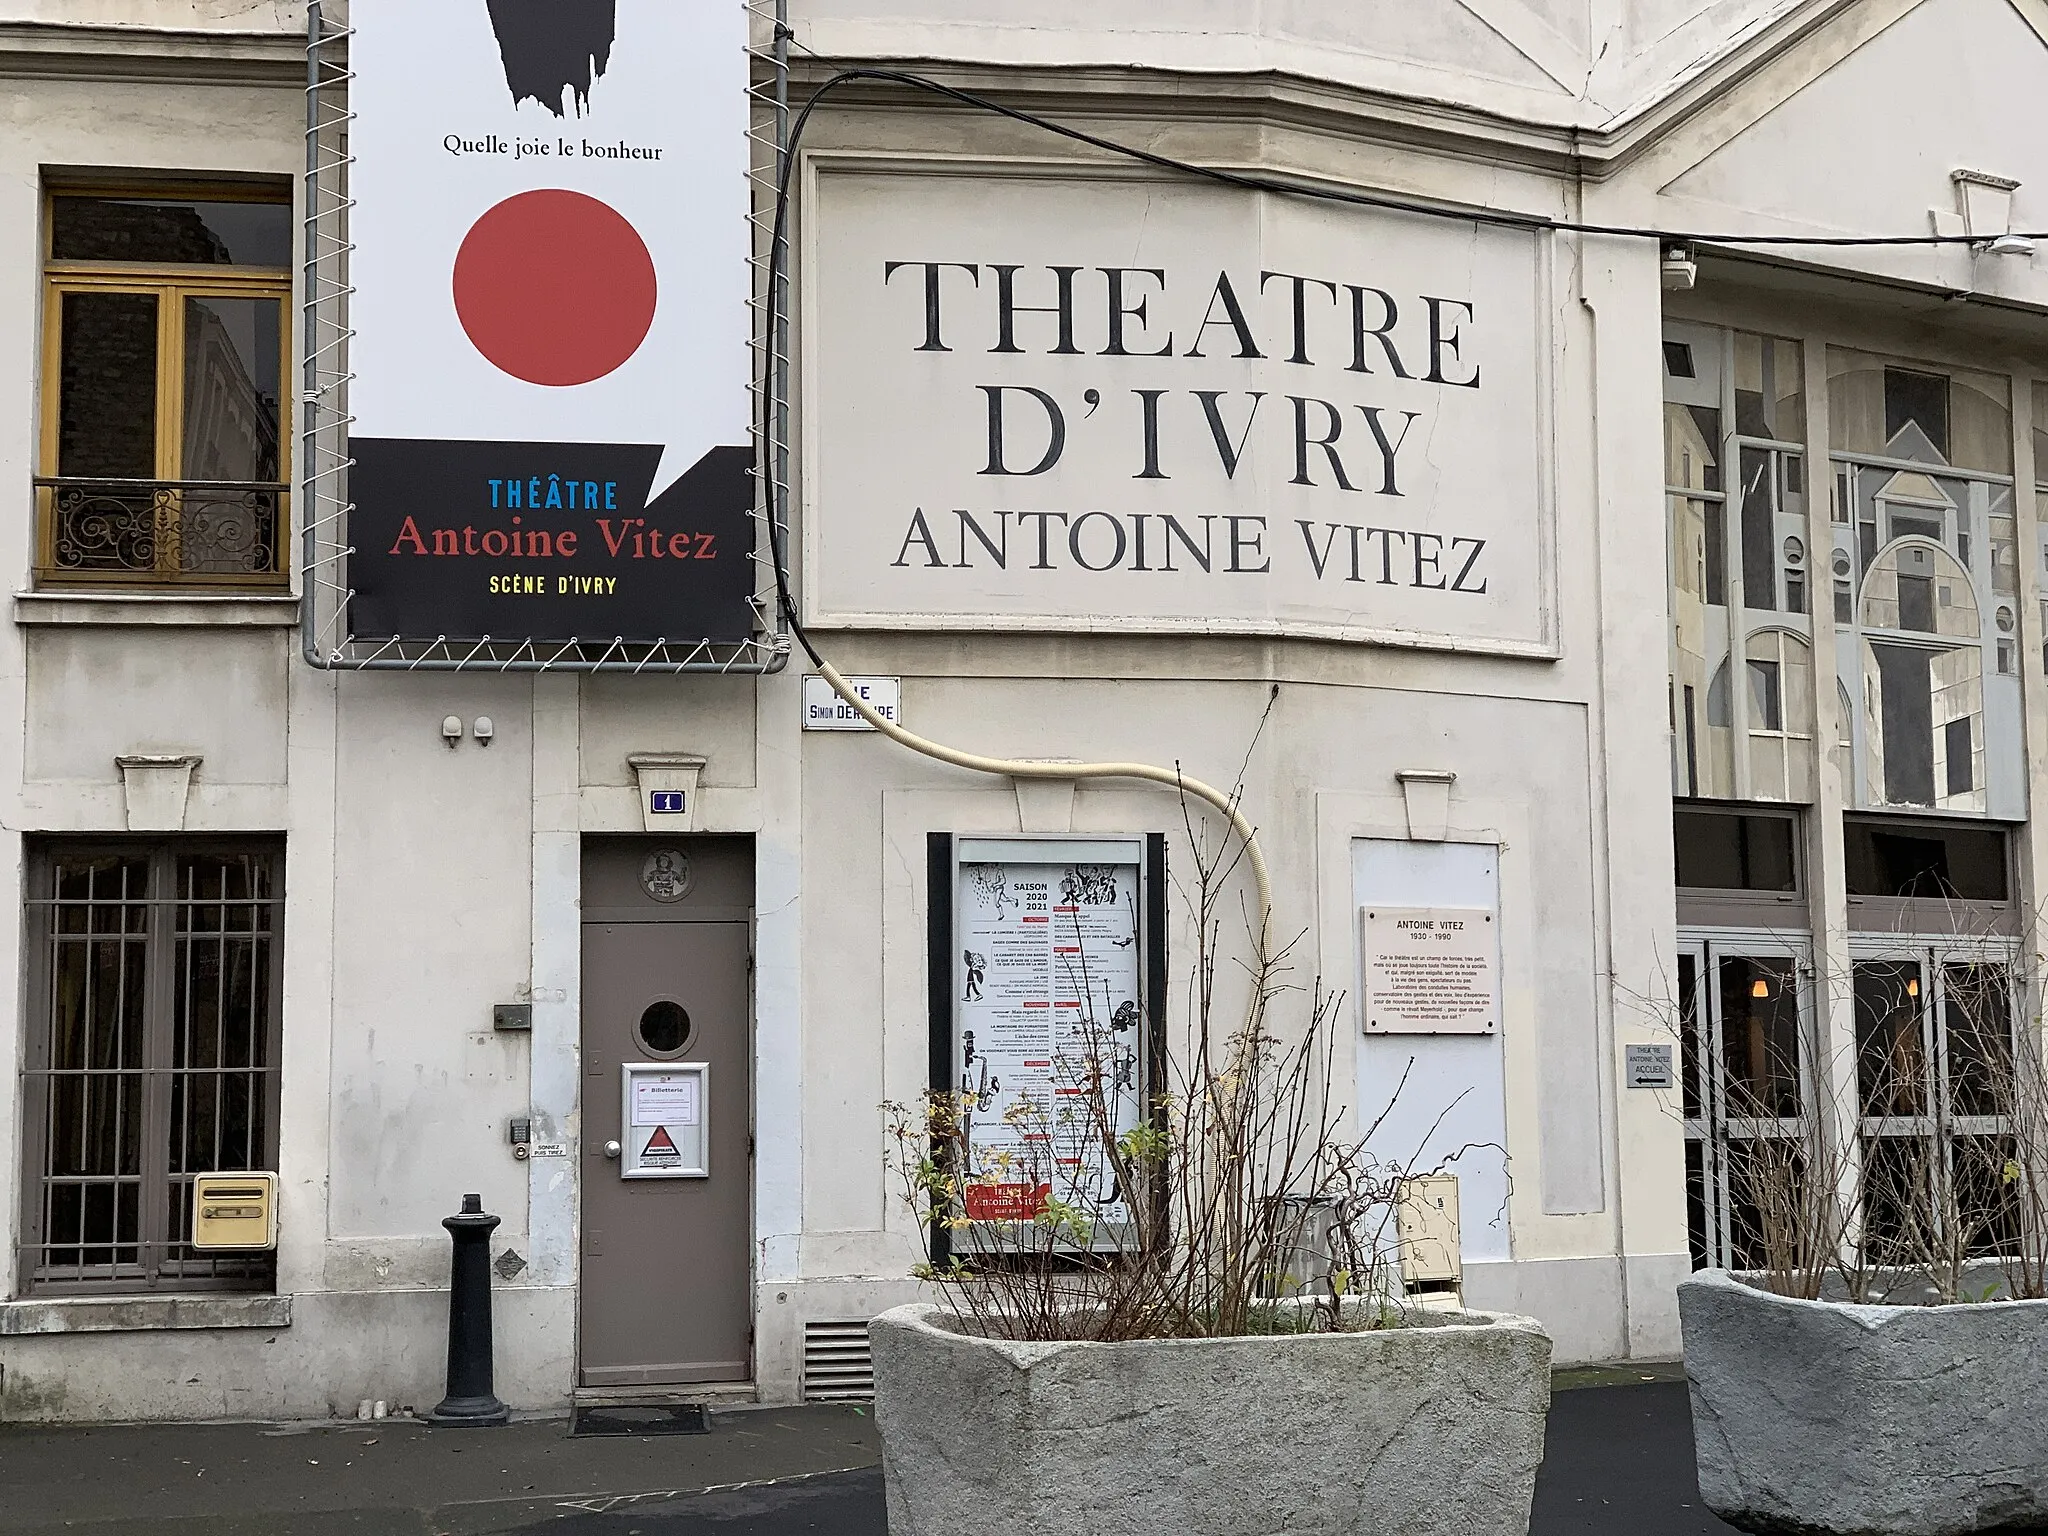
(1619, 1463)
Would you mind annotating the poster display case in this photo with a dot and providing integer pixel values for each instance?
(1047, 990)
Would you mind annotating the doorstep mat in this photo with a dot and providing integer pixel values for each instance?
(641, 1419)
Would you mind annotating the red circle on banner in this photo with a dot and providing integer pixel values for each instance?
(554, 287)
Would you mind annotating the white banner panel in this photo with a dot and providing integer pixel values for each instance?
(550, 314)
(1112, 403)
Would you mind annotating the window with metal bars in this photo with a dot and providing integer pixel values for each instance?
(154, 984)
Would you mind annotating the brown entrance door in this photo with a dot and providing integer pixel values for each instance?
(665, 1291)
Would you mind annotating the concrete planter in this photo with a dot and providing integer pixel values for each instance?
(1824, 1418)
(1430, 1430)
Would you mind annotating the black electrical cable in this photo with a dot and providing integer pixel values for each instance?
(1242, 180)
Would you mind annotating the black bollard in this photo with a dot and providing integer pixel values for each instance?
(471, 1396)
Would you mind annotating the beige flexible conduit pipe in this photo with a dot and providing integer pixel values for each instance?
(1016, 769)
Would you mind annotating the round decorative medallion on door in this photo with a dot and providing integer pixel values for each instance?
(666, 875)
(664, 1028)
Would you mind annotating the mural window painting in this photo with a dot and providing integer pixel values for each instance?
(1735, 483)
(1920, 573)
(165, 422)
(1926, 544)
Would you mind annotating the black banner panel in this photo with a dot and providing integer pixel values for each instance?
(511, 540)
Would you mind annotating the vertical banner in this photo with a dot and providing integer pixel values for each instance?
(549, 308)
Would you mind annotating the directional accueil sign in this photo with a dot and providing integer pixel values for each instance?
(549, 344)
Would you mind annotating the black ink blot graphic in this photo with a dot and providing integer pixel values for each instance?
(552, 46)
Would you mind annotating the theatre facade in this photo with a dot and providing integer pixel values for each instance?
(1450, 475)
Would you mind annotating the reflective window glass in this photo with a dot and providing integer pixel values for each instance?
(1891, 1057)
(1977, 1020)
(106, 390)
(1888, 856)
(1719, 851)
(231, 405)
(1760, 1036)
(177, 231)
(1769, 375)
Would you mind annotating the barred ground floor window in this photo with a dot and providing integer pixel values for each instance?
(154, 975)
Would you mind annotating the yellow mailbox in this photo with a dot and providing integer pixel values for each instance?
(1432, 1270)
(234, 1211)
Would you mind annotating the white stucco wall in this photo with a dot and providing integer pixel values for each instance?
(426, 884)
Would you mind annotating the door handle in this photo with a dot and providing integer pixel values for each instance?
(612, 1149)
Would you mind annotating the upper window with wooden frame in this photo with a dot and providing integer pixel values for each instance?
(165, 418)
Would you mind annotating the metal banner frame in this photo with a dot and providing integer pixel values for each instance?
(321, 472)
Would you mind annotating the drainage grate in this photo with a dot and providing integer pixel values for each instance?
(837, 1365)
(641, 1419)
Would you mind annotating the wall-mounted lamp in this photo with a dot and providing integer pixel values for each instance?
(484, 730)
(451, 731)
(1677, 270)
(1983, 215)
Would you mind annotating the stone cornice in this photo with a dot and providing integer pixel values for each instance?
(1263, 98)
(1596, 148)
(49, 50)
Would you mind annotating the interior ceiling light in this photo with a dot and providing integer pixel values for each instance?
(1760, 988)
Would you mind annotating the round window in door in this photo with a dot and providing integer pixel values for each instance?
(664, 1028)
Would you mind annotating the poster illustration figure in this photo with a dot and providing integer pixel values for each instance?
(1089, 885)
(1126, 1064)
(981, 1087)
(991, 886)
(665, 875)
(554, 48)
(977, 972)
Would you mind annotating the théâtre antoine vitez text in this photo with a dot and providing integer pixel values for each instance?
(508, 535)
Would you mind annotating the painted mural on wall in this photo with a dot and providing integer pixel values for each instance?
(1919, 580)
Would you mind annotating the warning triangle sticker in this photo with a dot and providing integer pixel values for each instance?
(660, 1150)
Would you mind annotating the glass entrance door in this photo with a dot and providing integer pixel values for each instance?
(1934, 1083)
(1743, 1026)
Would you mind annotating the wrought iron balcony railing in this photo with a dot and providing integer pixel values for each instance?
(184, 532)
